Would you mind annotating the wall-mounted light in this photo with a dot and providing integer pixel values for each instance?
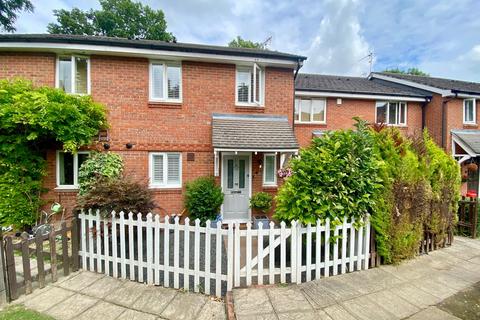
(106, 146)
(339, 101)
(129, 145)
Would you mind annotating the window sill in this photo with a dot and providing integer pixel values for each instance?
(66, 189)
(165, 188)
(165, 104)
(173, 190)
(248, 105)
(470, 124)
(270, 187)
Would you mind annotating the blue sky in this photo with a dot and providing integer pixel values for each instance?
(441, 37)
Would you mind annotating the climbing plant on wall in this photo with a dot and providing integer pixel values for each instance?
(33, 120)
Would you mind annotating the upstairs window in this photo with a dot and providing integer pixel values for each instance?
(469, 111)
(73, 74)
(165, 82)
(68, 165)
(310, 110)
(250, 83)
(165, 170)
(391, 112)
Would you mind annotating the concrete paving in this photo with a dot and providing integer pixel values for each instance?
(86, 295)
(411, 290)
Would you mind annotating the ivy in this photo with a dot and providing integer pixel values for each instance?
(35, 119)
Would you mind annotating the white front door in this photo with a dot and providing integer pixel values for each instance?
(236, 187)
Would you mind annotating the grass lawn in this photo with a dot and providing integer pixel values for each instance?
(19, 312)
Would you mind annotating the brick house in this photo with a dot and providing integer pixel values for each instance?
(452, 118)
(176, 111)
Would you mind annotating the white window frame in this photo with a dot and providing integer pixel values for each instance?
(387, 114)
(165, 184)
(256, 101)
(270, 183)
(165, 81)
(474, 106)
(73, 72)
(75, 185)
(324, 121)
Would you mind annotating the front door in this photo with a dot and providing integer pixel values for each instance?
(236, 187)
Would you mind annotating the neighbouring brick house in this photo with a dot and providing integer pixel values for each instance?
(163, 100)
(451, 117)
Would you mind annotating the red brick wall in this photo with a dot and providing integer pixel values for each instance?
(122, 85)
(340, 117)
(455, 119)
(433, 118)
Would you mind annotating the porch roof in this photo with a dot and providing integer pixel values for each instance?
(469, 140)
(252, 133)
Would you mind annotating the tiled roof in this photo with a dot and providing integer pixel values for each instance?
(440, 83)
(252, 132)
(358, 85)
(469, 137)
(148, 44)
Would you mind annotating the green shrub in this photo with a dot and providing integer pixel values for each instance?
(33, 119)
(203, 199)
(99, 165)
(120, 194)
(336, 176)
(261, 201)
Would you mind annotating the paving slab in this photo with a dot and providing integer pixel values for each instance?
(366, 309)
(435, 288)
(318, 297)
(304, 315)
(268, 316)
(393, 303)
(48, 299)
(212, 310)
(185, 306)
(337, 312)
(465, 304)
(102, 310)
(127, 294)
(288, 299)
(154, 299)
(338, 288)
(103, 287)
(433, 313)
(72, 307)
(415, 296)
(136, 315)
(80, 281)
(251, 302)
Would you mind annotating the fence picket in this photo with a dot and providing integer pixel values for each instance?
(90, 242)
(351, 245)
(230, 257)
(106, 249)
(166, 253)
(367, 243)
(131, 254)
(156, 251)
(248, 248)
(260, 253)
(283, 253)
(186, 254)
(207, 257)
(176, 253)
(359, 248)
(123, 263)
(114, 244)
(140, 247)
(299, 241)
(271, 265)
(318, 245)
(149, 249)
(238, 249)
(293, 252)
(218, 259)
(196, 261)
(344, 245)
(335, 251)
(98, 239)
(309, 253)
(327, 248)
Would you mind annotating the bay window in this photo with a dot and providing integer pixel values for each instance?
(391, 112)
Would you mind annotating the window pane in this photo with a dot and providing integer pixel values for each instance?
(66, 168)
(65, 74)
(305, 110)
(81, 71)
(241, 173)
(403, 112)
(157, 81)
(469, 111)
(230, 173)
(270, 169)
(381, 112)
(173, 168)
(243, 85)
(258, 80)
(157, 169)
(318, 110)
(173, 77)
(297, 104)
(392, 110)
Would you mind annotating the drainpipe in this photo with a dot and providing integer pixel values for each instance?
(424, 112)
(445, 101)
(299, 65)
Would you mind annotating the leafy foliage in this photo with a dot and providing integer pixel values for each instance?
(99, 165)
(116, 18)
(32, 120)
(120, 194)
(411, 71)
(203, 198)
(261, 201)
(9, 10)
(336, 177)
(239, 42)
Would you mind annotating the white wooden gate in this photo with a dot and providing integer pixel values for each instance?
(213, 260)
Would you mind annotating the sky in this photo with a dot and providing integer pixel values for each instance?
(440, 37)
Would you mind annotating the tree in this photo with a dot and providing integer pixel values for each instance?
(410, 71)
(242, 43)
(9, 10)
(116, 18)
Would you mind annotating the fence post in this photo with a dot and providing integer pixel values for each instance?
(3, 272)
(11, 273)
(75, 243)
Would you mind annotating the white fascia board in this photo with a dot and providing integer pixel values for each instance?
(444, 93)
(456, 140)
(466, 96)
(355, 96)
(254, 150)
(138, 52)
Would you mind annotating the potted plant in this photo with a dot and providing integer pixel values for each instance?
(261, 202)
(472, 166)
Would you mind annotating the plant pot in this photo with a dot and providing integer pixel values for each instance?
(472, 167)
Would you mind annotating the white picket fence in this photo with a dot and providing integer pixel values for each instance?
(214, 259)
